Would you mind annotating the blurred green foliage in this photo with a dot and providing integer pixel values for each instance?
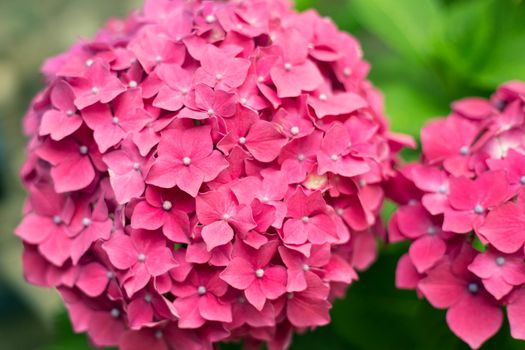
(424, 55)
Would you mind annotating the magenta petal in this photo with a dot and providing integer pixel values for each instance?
(294, 232)
(216, 234)
(212, 309)
(93, 279)
(474, 320)
(504, 228)
(73, 175)
(143, 339)
(273, 283)
(516, 315)
(407, 276)
(239, 273)
(59, 125)
(140, 313)
(189, 312)
(147, 217)
(264, 141)
(120, 251)
(35, 229)
(255, 296)
(426, 251)
(441, 287)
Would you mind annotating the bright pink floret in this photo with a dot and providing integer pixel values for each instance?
(463, 209)
(207, 171)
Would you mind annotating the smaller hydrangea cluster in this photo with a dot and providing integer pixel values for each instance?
(205, 171)
(464, 213)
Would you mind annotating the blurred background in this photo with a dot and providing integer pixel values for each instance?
(424, 54)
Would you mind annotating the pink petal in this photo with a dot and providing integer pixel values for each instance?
(442, 288)
(305, 77)
(212, 309)
(216, 234)
(73, 175)
(140, 313)
(120, 251)
(426, 251)
(474, 320)
(516, 315)
(503, 227)
(93, 279)
(147, 217)
(338, 104)
(189, 312)
(264, 141)
(255, 296)
(239, 274)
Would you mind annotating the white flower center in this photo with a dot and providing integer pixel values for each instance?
(522, 180)
(306, 267)
(158, 334)
(473, 288)
(201, 290)
(133, 84)
(148, 298)
(259, 273)
(70, 113)
(210, 19)
(478, 209)
(500, 260)
(57, 220)
(141, 257)
(323, 97)
(211, 112)
(158, 59)
(219, 76)
(226, 217)
(295, 130)
(464, 150)
(288, 66)
(136, 166)
(305, 219)
(347, 71)
(301, 157)
(83, 150)
(334, 157)
(94, 90)
(242, 140)
(166, 205)
(89, 62)
(86, 221)
(186, 161)
(115, 313)
(110, 275)
(115, 120)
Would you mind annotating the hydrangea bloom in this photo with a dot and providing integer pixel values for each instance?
(205, 171)
(463, 209)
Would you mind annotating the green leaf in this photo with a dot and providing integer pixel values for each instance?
(409, 108)
(466, 36)
(406, 26)
(478, 245)
(507, 62)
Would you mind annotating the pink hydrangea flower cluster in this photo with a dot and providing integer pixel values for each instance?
(205, 171)
(464, 213)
